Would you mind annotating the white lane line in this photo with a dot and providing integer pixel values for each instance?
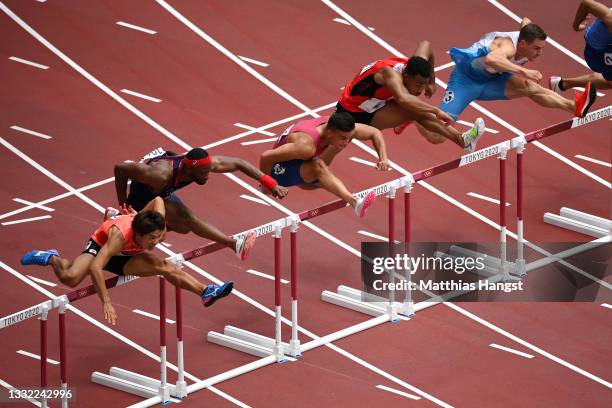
(265, 275)
(247, 127)
(42, 217)
(167, 245)
(463, 122)
(252, 142)
(253, 61)
(606, 305)
(394, 391)
(42, 281)
(30, 132)
(483, 197)
(254, 199)
(509, 350)
(11, 387)
(135, 27)
(151, 315)
(343, 21)
(444, 66)
(362, 161)
(139, 95)
(33, 205)
(36, 356)
(375, 236)
(603, 163)
(24, 61)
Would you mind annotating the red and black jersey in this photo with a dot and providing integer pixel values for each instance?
(362, 93)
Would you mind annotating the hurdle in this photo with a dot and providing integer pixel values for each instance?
(353, 298)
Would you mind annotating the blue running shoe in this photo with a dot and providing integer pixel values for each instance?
(36, 257)
(212, 293)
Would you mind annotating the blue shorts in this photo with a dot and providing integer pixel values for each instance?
(468, 83)
(287, 173)
(599, 60)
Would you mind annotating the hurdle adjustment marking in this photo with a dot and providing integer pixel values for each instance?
(253, 61)
(139, 95)
(42, 281)
(135, 27)
(485, 198)
(30, 132)
(254, 129)
(394, 391)
(606, 305)
(603, 163)
(42, 217)
(36, 356)
(26, 62)
(509, 350)
(264, 275)
(254, 199)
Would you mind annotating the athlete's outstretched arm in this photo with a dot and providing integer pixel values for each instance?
(366, 132)
(425, 50)
(113, 246)
(136, 172)
(226, 164)
(595, 8)
(498, 59)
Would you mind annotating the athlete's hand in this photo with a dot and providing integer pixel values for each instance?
(109, 313)
(583, 24)
(382, 165)
(430, 89)
(533, 75)
(127, 210)
(265, 189)
(444, 117)
(280, 191)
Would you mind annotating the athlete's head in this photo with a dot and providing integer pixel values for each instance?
(339, 129)
(198, 162)
(149, 229)
(531, 40)
(416, 75)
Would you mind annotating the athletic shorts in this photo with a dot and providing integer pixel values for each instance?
(287, 173)
(463, 89)
(114, 265)
(358, 117)
(599, 60)
(138, 200)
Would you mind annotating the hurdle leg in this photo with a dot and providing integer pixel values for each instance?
(164, 390)
(181, 384)
(294, 343)
(408, 307)
(63, 358)
(391, 307)
(43, 352)
(278, 345)
(503, 265)
(520, 259)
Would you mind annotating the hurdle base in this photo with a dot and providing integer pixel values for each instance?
(294, 349)
(133, 383)
(246, 341)
(350, 298)
(578, 221)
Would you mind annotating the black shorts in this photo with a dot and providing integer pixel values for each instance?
(114, 265)
(359, 117)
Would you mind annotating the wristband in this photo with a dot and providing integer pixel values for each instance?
(268, 181)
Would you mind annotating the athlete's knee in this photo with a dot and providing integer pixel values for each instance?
(166, 269)
(70, 280)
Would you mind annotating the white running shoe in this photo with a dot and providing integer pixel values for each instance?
(111, 212)
(244, 244)
(553, 84)
(470, 138)
(364, 203)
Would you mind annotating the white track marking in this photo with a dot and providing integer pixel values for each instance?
(33, 205)
(254, 199)
(485, 198)
(30, 132)
(135, 27)
(10, 387)
(606, 305)
(476, 106)
(444, 66)
(265, 275)
(143, 96)
(362, 161)
(42, 217)
(151, 315)
(375, 236)
(24, 61)
(253, 61)
(603, 163)
(167, 245)
(509, 350)
(36, 356)
(42, 281)
(342, 21)
(247, 127)
(260, 141)
(468, 124)
(394, 391)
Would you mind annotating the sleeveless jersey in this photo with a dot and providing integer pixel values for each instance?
(363, 94)
(305, 126)
(124, 223)
(173, 184)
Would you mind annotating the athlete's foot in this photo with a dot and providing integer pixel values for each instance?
(364, 203)
(244, 244)
(212, 293)
(36, 257)
(111, 212)
(584, 100)
(399, 129)
(470, 138)
(555, 84)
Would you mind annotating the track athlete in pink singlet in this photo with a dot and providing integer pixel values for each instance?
(302, 154)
